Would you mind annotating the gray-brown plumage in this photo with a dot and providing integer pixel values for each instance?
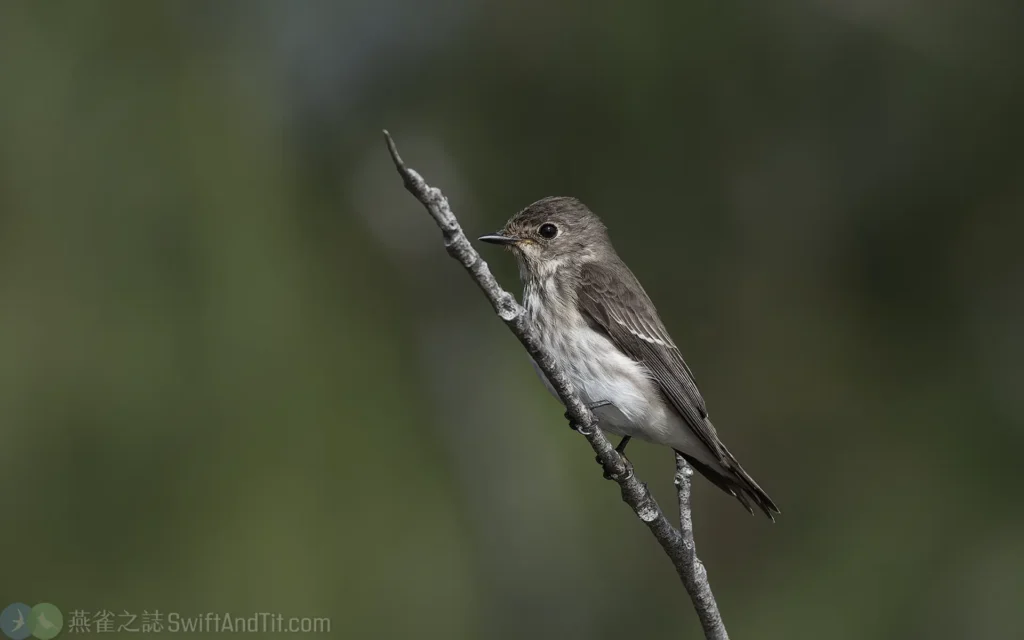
(601, 327)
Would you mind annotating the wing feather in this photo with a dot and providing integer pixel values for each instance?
(614, 299)
(611, 298)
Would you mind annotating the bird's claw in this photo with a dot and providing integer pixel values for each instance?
(572, 424)
(576, 427)
(626, 465)
(592, 406)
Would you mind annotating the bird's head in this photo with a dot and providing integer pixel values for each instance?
(551, 234)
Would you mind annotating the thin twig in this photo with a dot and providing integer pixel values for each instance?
(693, 573)
(678, 546)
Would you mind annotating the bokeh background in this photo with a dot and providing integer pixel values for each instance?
(239, 373)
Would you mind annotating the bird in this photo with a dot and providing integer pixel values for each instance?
(20, 622)
(599, 325)
(46, 624)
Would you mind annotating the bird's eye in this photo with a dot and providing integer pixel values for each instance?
(548, 230)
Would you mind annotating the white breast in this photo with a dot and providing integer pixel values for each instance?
(597, 369)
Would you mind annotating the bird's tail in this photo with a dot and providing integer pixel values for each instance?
(732, 479)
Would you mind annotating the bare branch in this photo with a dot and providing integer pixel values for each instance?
(678, 546)
(693, 573)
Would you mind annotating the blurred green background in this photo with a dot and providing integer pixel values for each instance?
(239, 373)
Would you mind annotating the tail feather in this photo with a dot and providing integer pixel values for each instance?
(737, 483)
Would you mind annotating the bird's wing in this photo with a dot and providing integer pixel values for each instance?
(612, 299)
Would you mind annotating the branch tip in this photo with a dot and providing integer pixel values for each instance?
(393, 150)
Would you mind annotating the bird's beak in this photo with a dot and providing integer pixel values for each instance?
(499, 238)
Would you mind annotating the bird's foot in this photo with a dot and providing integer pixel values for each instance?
(572, 424)
(621, 448)
(592, 406)
(627, 468)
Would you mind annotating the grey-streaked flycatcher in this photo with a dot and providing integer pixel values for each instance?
(597, 322)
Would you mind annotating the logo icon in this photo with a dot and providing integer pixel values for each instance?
(14, 621)
(43, 621)
(46, 621)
